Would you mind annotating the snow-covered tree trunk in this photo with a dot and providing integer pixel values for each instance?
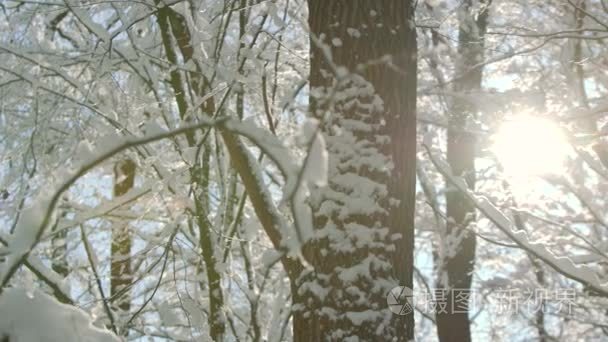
(456, 272)
(363, 91)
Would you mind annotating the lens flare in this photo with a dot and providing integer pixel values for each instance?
(529, 146)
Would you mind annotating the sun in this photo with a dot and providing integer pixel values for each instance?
(529, 146)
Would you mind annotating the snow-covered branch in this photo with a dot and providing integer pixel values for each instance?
(34, 221)
(563, 265)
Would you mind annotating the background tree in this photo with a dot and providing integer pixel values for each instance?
(458, 259)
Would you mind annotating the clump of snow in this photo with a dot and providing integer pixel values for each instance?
(152, 127)
(39, 317)
(168, 314)
(353, 32)
(24, 237)
(315, 169)
(271, 147)
(359, 318)
(313, 174)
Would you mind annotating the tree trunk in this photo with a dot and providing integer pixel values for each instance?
(120, 268)
(59, 252)
(364, 218)
(453, 323)
(176, 37)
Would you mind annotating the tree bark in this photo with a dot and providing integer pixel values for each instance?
(369, 124)
(453, 324)
(120, 268)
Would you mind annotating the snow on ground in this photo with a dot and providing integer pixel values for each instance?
(38, 317)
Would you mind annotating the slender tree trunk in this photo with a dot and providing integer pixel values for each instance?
(60, 256)
(176, 37)
(59, 245)
(453, 324)
(364, 232)
(579, 92)
(120, 268)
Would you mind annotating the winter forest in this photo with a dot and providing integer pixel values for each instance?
(303, 170)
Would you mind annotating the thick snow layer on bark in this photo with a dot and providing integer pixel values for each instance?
(39, 317)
